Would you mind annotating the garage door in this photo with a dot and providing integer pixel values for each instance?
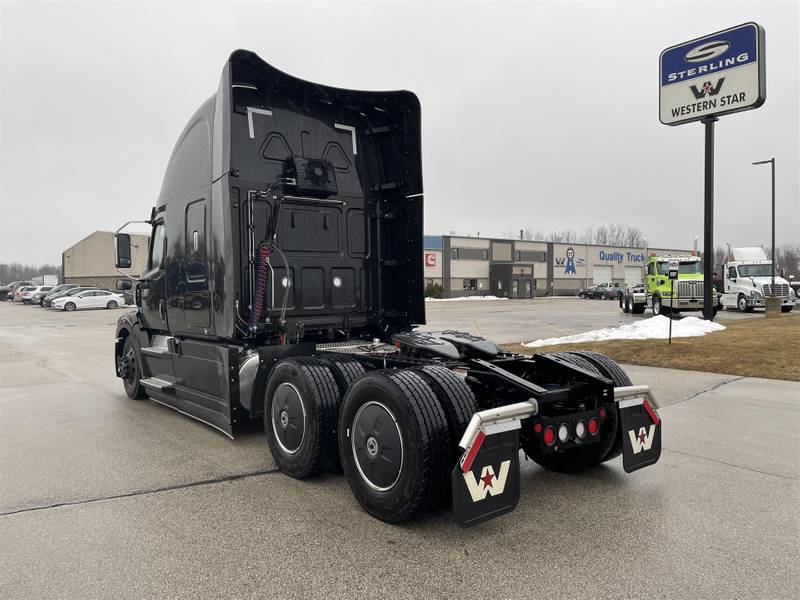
(633, 275)
(602, 274)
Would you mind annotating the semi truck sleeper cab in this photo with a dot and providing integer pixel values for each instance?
(284, 283)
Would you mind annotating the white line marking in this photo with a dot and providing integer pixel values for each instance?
(352, 131)
(250, 112)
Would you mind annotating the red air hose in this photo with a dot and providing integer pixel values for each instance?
(262, 264)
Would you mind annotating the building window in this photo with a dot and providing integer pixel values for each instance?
(454, 253)
(470, 285)
(484, 255)
(518, 255)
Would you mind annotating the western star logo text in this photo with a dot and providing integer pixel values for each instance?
(728, 100)
(488, 483)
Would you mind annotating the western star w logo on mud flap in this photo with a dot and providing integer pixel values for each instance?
(488, 483)
(490, 487)
(641, 442)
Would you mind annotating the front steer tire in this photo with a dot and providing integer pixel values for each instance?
(300, 412)
(393, 438)
(131, 370)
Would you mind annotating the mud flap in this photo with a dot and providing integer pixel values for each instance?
(641, 434)
(487, 486)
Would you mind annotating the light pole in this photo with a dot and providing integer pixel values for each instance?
(771, 161)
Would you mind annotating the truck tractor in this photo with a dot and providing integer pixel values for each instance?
(284, 283)
(748, 280)
(664, 296)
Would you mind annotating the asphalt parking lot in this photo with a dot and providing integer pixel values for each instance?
(514, 321)
(103, 496)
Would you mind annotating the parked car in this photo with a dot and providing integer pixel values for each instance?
(48, 300)
(39, 296)
(582, 293)
(38, 293)
(7, 291)
(23, 293)
(605, 291)
(89, 299)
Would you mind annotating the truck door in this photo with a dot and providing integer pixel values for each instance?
(152, 287)
(730, 279)
(651, 277)
(196, 301)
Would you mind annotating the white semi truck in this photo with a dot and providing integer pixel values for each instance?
(748, 280)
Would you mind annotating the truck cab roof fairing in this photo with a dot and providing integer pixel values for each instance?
(219, 137)
(261, 120)
(371, 138)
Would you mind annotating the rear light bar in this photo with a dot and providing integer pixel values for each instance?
(508, 418)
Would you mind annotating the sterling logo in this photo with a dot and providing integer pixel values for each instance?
(707, 51)
(488, 483)
(644, 440)
(707, 89)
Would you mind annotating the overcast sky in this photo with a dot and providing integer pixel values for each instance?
(536, 114)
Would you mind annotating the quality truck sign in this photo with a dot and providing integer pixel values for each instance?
(713, 75)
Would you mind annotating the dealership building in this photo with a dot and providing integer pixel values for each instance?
(469, 266)
(91, 262)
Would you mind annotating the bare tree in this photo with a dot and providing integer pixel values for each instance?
(15, 271)
(601, 235)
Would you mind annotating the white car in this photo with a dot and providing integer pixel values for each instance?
(89, 299)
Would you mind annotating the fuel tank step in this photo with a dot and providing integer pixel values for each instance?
(154, 383)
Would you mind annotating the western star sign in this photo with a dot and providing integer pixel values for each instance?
(713, 75)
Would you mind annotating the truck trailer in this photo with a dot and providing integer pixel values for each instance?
(284, 283)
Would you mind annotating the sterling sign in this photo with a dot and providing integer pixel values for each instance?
(713, 75)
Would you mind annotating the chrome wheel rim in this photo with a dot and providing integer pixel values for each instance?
(377, 446)
(288, 418)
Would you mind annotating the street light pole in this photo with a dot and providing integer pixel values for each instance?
(771, 161)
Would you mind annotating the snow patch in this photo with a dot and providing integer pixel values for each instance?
(655, 328)
(463, 298)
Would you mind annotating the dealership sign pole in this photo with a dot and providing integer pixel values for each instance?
(701, 80)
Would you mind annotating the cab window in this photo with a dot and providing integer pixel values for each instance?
(731, 272)
(157, 246)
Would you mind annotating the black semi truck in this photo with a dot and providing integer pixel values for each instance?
(284, 283)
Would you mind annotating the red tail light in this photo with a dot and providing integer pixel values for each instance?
(594, 426)
(549, 436)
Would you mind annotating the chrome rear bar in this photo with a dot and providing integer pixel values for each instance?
(510, 417)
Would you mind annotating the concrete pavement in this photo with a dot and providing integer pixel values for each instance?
(103, 497)
(515, 321)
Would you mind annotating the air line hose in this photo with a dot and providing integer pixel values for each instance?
(262, 265)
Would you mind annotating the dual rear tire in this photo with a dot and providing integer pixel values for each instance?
(300, 411)
(393, 432)
(610, 444)
(398, 439)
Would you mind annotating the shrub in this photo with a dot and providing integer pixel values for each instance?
(434, 290)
